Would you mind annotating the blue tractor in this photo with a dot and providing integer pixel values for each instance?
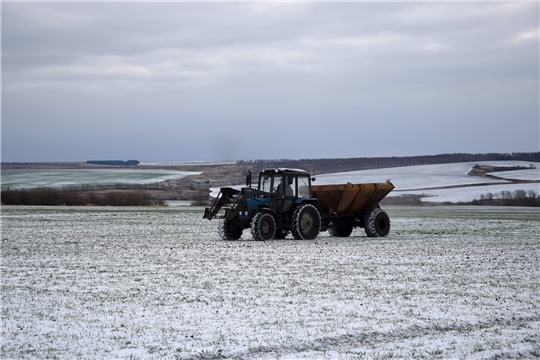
(282, 203)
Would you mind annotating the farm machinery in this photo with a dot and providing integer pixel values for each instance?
(286, 202)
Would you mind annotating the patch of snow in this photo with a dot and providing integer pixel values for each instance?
(466, 194)
(528, 174)
(176, 203)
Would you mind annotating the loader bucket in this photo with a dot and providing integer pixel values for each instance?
(350, 198)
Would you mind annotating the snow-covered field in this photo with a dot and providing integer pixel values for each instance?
(429, 179)
(448, 282)
(434, 181)
(204, 162)
(425, 176)
(57, 178)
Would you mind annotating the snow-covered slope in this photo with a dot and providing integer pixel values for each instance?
(429, 179)
(435, 181)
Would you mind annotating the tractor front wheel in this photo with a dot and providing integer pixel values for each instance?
(228, 231)
(263, 226)
(306, 222)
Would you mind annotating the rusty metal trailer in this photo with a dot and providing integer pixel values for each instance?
(346, 206)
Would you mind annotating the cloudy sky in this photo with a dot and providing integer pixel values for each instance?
(229, 81)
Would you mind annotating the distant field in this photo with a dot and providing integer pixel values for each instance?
(448, 282)
(440, 182)
(434, 183)
(57, 178)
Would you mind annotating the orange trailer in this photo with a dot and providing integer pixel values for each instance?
(346, 206)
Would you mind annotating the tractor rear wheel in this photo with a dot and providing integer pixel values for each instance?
(306, 222)
(263, 226)
(228, 231)
(377, 223)
(344, 231)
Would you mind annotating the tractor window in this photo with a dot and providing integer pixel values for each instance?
(303, 187)
(278, 188)
(285, 186)
(290, 188)
(266, 184)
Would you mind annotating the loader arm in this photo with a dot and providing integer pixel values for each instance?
(225, 199)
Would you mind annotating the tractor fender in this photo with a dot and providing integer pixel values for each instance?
(256, 205)
(312, 201)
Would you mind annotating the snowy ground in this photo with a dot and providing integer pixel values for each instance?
(448, 282)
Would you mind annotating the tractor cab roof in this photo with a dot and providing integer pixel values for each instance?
(284, 170)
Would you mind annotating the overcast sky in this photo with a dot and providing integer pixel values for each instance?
(229, 81)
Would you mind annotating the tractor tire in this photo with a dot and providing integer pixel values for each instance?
(229, 231)
(377, 223)
(341, 231)
(263, 226)
(306, 222)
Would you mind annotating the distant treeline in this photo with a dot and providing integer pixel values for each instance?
(504, 198)
(48, 196)
(322, 166)
(114, 162)
(509, 198)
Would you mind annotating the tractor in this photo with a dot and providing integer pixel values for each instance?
(286, 202)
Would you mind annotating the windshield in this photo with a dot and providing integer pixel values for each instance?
(293, 184)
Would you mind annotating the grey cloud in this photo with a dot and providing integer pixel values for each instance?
(204, 80)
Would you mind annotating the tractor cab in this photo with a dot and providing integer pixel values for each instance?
(284, 187)
(285, 183)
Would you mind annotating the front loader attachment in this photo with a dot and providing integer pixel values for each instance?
(225, 200)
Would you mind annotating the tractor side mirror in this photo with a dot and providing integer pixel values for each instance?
(248, 179)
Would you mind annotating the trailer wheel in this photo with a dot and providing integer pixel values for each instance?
(306, 222)
(377, 223)
(341, 231)
(229, 231)
(263, 226)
